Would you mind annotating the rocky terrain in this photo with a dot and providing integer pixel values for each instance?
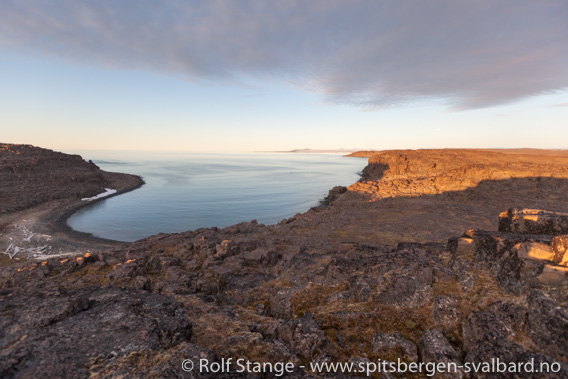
(32, 176)
(453, 256)
(38, 189)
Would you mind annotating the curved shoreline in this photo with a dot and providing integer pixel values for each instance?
(61, 225)
(299, 206)
(41, 232)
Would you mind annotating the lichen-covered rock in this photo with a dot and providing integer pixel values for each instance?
(45, 339)
(281, 303)
(481, 327)
(547, 324)
(226, 249)
(486, 339)
(259, 256)
(360, 289)
(514, 260)
(407, 291)
(394, 345)
(514, 315)
(306, 339)
(446, 310)
(434, 347)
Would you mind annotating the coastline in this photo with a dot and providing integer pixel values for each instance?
(50, 220)
(33, 220)
(62, 215)
(197, 190)
(391, 256)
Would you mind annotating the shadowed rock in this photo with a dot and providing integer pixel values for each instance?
(40, 175)
(515, 260)
(435, 348)
(547, 324)
(65, 332)
(533, 221)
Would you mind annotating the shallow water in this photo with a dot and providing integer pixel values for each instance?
(186, 191)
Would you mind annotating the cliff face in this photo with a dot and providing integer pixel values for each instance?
(419, 172)
(431, 195)
(329, 285)
(30, 176)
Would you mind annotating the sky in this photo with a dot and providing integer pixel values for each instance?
(280, 75)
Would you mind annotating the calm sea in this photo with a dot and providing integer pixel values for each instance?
(186, 191)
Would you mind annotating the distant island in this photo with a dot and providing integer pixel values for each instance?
(315, 151)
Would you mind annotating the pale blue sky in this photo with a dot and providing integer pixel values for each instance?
(215, 76)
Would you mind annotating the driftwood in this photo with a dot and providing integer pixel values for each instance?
(26, 237)
(12, 250)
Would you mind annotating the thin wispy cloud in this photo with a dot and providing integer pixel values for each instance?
(371, 54)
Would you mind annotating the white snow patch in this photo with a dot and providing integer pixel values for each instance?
(108, 191)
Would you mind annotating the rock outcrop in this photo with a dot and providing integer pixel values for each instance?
(533, 221)
(419, 172)
(524, 265)
(244, 292)
(30, 176)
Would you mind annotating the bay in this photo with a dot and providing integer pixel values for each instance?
(187, 191)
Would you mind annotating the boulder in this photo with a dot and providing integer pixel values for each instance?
(409, 292)
(394, 345)
(513, 315)
(226, 249)
(535, 250)
(547, 324)
(446, 310)
(305, 338)
(486, 337)
(435, 348)
(514, 260)
(533, 221)
(560, 249)
(281, 303)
